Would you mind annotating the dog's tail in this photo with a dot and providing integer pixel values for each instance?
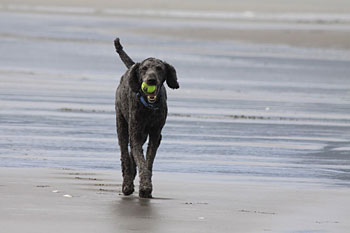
(128, 62)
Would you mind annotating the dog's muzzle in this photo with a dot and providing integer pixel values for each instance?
(151, 92)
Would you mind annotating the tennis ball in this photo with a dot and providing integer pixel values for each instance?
(148, 89)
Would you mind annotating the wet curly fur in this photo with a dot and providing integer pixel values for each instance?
(136, 122)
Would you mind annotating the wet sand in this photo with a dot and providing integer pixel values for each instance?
(257, 138)
(56, 200)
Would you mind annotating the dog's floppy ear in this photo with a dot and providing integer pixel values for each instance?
(134, 80)
(171, 78)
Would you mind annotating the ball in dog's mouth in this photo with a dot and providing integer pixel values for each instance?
(150, 91)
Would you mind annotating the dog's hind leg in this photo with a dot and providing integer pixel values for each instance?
(128, 62)
(128, 164)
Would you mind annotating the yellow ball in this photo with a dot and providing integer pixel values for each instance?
(148, 89)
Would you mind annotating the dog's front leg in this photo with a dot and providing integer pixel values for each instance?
(136, 142)
(145, 175)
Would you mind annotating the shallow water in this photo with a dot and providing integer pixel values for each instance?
(257, 111)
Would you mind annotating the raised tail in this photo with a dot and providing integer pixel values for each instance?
(128, 62)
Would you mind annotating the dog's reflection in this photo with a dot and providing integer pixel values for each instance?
(136, 214)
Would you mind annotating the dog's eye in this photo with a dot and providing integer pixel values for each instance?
(159, 68)
(144, 68)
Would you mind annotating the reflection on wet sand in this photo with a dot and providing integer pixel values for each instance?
(136, 214)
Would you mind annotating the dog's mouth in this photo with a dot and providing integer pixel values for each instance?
(150, 91)
(152, 97)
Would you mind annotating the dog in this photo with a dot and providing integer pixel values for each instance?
(141, 112)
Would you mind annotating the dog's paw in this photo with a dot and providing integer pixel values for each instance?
(128, 189)
(145, 193)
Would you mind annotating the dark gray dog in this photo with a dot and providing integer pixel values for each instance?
(141, 115)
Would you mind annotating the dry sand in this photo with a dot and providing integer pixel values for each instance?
(44, 200)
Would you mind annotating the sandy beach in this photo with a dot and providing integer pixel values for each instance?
(257, 138)
(56, 200)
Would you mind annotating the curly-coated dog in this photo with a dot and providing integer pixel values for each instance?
(141, 111)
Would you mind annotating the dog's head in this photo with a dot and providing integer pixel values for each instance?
(152, 72)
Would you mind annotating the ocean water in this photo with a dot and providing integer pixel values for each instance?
(243, 110)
